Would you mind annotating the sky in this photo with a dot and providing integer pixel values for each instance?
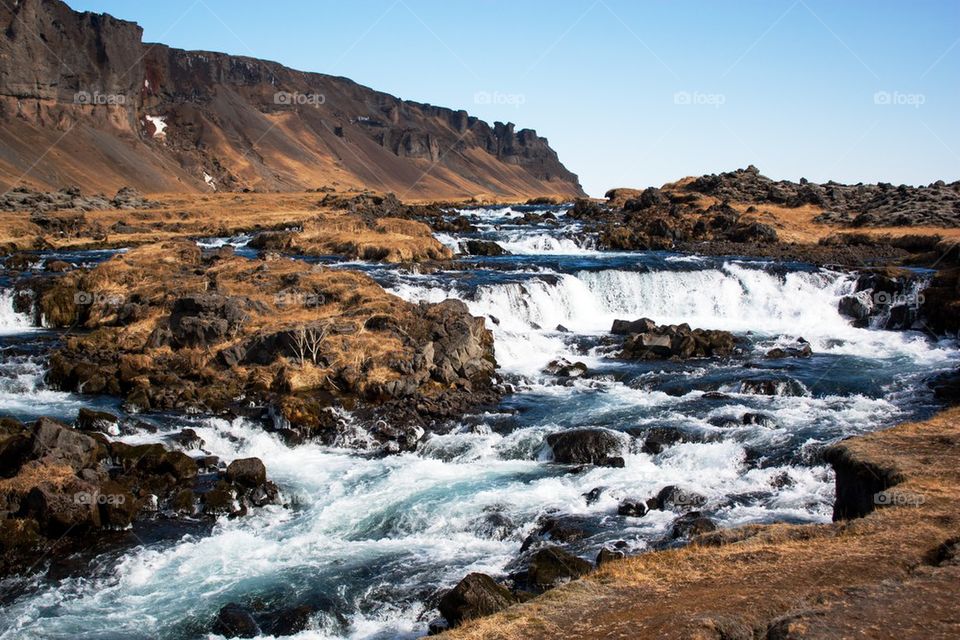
(635, 92)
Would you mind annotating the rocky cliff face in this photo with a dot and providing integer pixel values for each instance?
(115, 111)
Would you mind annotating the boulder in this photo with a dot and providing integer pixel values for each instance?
(753, 232)
(90, 420)
(15, 446)
(858, 306)
(552, 566)
(117, 506)
(563, 368)
(247, 472)
(475, 596)
(289, 621)
(692, 524)
(555, 530)
(800, 349)
(188, 440)
(461, 345)
(70, 508)
(179, 465)
(659, 438)
(233, 621)
(56, 443)
(607, 554)
(484, 248)
(672, 341)
(632, 508)
(676, 498)
(586, 446)
(627, 327)
(204, 319)
(946, 387)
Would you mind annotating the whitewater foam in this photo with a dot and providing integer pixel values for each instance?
(12, 322)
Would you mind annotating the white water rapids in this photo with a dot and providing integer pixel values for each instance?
(371, 542)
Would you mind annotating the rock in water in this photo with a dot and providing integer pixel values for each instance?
(692, 524)
(248, 472)
(90, 420)
(552, 566)
(648, 341)
(632, 508)
(475, 596)
(609, 555)
(56, 443)
(586, 446)
(234, 621)
(677, 498)
(484, 248)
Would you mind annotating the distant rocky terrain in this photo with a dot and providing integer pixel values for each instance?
(859, 205)
(110, 110)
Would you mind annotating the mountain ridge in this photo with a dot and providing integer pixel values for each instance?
(112, 110)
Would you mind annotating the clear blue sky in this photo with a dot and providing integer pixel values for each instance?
(630, 92)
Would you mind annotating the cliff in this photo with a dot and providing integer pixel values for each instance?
(84, 101)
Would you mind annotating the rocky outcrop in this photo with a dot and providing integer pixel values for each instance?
(186, 330)
(887, 298)
(860, 205)
(860, 483)
(647, 340)
(63, 484)
(163, 119)
(475, 596)
(40, 202)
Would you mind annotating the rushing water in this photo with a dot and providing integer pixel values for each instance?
(371, 542)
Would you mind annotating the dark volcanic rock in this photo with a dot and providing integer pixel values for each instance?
(475, 596)
(632, 508)
(90, 420)
(672, 341)
(233, 621)
(484, 248)
(659, 438)
(248, 472)
(609, 555)
(56, 443)
(563, 368)
(586, 446)
(63, 483)
(692, 524)
(552, 566)
(673, 497)
(859, 482)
